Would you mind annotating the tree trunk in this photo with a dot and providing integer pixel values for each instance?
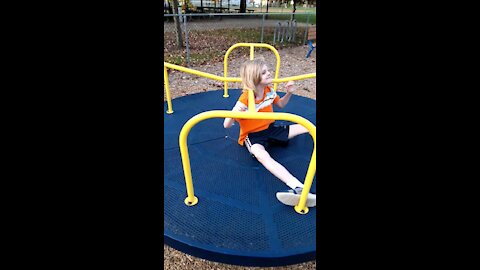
(294, 8)
(243, 6)
(176, 19)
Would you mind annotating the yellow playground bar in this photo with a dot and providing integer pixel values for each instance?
(191, 199)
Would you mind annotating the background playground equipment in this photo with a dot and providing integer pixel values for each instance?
(312, 35)
(285, 31)
(242, 222)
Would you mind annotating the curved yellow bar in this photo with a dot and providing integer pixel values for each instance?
(218, 78)
(200, 73)
(296, 78)
(251, 45)
(301, 208)
(233, 79)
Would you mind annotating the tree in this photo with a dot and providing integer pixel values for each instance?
(294, 8)
(176, 19)
(243, 6)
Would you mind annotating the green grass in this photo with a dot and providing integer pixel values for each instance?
(299, 17)
(286, 10)
(176, 59)
(312, 19)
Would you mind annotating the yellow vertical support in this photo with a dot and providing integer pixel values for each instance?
(277, 69)
(251, 45)
(167, 90)
(191, 200)
(301, 207)
(225, 74)
(251, 101)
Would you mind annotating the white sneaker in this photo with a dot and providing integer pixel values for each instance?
(292, 197)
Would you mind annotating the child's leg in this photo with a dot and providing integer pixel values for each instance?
(274, 167)
(290, 197)
(281, 134)
(295, 130)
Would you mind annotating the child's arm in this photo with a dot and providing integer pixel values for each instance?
(228, 122)
(281, 103)
(239, 107)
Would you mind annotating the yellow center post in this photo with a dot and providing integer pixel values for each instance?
(252, 46)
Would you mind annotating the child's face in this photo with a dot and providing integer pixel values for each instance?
(266, 76)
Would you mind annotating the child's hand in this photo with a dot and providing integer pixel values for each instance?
(239, 109)
(290, 87)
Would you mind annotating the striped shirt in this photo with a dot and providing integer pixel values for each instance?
(265, 105)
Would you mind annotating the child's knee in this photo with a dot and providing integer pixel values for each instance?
(260, 154)
(296, 129)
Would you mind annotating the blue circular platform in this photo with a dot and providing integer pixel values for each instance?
(238, 219)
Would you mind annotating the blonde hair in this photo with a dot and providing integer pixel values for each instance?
(251, 73)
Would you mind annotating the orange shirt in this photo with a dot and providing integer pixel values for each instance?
(265, 105)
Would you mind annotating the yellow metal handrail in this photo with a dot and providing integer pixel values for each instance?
(251, 45)
(192, 200)
(165, 81)
(218, 78)
(250, 114)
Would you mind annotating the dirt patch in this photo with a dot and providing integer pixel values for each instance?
(176, 260)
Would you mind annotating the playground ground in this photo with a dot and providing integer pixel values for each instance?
(292, 62)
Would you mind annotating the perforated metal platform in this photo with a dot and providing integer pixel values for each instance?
(238, 219)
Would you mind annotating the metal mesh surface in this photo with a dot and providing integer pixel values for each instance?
(238, 219)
